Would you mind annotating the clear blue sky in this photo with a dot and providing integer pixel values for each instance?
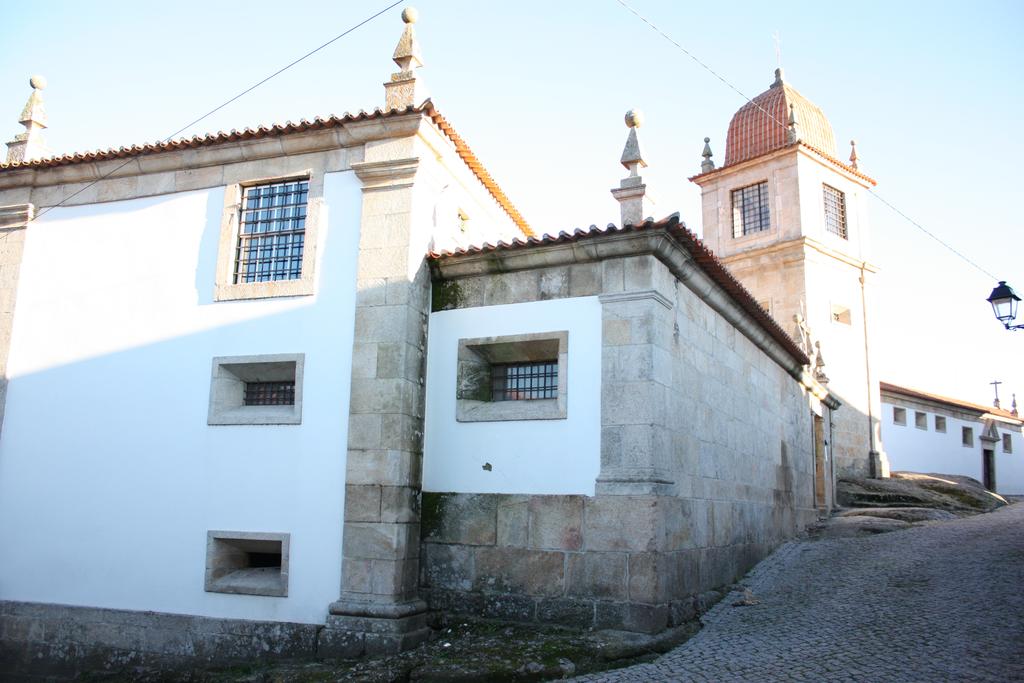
(931, 91)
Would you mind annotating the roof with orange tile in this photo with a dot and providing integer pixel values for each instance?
(287, 128)
(704, 258)
(953, 402)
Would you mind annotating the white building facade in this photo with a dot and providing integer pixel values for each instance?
(935, 434)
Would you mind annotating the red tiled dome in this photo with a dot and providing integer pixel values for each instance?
(752, 132)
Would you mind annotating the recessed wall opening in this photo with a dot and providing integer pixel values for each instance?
(256, 390)
(247, 563)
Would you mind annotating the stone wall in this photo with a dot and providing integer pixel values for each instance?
(638, 563)
(38, 641)
(707, 458)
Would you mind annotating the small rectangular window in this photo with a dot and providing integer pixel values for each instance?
(247, 563)
(940, 424)
(1007, 444)
(967, 436)
(524, 381)
(750, 212)
(921, 420)
(835, 211)
(271, 232)
(899, 416)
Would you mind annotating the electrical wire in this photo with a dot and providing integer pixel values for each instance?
(783, 125)
(226, 103)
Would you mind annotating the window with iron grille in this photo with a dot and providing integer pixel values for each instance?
(750, 212)
(269, 394)
(835, 211)
(271, 232)
(524, 381)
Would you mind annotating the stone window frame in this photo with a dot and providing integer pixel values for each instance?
(940, 424)
(225, 289)
(476, 357)
(227, 389)
(921, 420)
(1007, 442)
(223, 557)
(739, 228)
(899, 416)
(967, 437)
(835, 212)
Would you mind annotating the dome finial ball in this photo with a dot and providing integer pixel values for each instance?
(634, 118)
(37, 82)
(410, 15)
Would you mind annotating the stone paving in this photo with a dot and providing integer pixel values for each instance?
(943, 601)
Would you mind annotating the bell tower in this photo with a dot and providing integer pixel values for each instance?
(789, 220)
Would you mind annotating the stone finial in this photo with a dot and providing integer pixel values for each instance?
(853, 154)
(793, 129)
(631, 193)
(632, 154)
(404, 89)
(30, 144)
(819, 364)
(1013, 405)
(778, 78)
(707, 164)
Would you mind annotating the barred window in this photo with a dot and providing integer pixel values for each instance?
(524, 381)
(750, 212)
(835, 211)
(271, 232)
(269, 393)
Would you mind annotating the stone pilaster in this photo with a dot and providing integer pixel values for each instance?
(13, 222)
(379, 609)
(635, 383)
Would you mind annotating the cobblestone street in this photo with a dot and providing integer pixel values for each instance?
(940, 602)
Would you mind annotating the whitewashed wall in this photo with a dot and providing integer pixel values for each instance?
(109, 474)
(919, 450)
(537, 456)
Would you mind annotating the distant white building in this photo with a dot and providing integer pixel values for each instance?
(926, 432)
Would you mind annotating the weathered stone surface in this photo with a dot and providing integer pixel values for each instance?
(908, 489)
(513, 521)
(566, 611)
(556, 522)
(622, 523)
(450, 567)
(597, 575)
(520, 571)
(510, 607)
(460, 518)
(903, 514)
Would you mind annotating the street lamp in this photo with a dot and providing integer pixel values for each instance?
(1004, 305)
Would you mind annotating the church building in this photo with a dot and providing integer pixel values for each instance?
(289, 391)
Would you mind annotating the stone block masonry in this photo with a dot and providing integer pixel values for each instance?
(636, 563)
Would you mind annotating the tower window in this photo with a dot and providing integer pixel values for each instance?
(750, 212)
(835, 211)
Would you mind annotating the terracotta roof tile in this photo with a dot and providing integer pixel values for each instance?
(463, 150)
(759, 126)
(703, 256)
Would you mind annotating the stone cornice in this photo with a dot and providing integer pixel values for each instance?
(389, 174)
(799, 245)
